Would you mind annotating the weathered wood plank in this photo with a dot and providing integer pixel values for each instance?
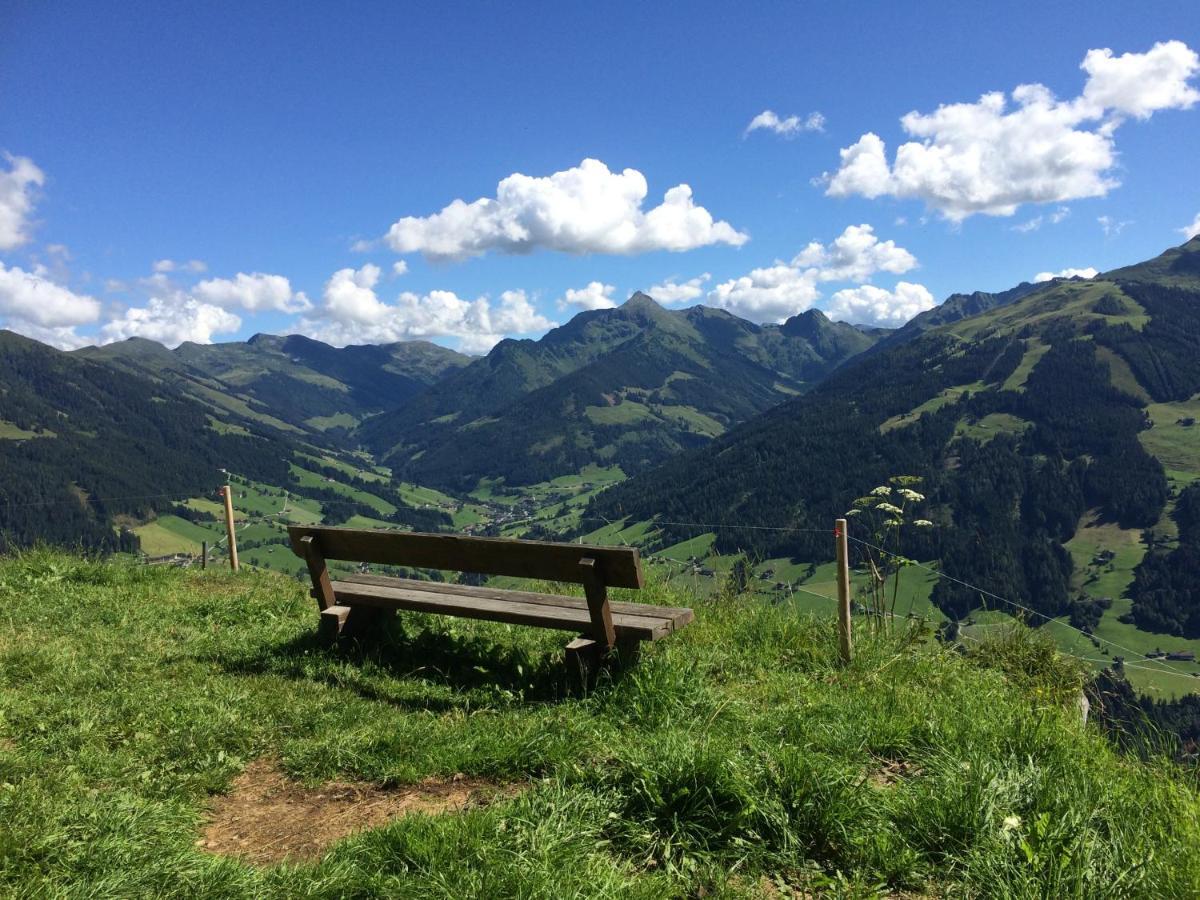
(491, 556)
(679, 615)
(565, 618)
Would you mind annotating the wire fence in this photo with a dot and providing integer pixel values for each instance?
(1136, 659)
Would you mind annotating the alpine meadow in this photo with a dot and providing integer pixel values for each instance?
(520, 451)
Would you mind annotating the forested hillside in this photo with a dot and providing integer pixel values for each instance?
(81, 443)
(1019, 420)
(627, 386)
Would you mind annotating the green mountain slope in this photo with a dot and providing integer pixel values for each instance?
(291, 383)
(953, 309)
(626, 386)
(1020, 420)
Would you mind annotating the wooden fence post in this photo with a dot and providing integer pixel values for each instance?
(203, 555)
(843, 583)
(233, 560)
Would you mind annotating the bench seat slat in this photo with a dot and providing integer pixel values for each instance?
(569, 615)
(678, 615)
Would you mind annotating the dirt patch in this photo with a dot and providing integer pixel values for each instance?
(7, 745)
(890, 772)
(267, 817)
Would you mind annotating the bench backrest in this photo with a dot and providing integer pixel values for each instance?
(618, 566)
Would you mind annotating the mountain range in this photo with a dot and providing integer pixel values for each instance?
(1069, 399)
(627, 386)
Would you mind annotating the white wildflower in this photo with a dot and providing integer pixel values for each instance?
(909, 494)
(882, 491)
(852, 512)
(889, 508)
(1011, 823)
(893, 523)
(923, 523)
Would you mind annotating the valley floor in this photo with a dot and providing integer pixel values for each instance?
(737, 760)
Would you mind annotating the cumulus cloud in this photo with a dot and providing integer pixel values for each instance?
(254, 292)
(769, 294)
(989, 157)
(399, 267)
(586, 209)
(1088, 272)
(788, 127)
(774, 293)
(17, 191)
(594, 296)
(670, 291)
(1190, 231)
(870, 305)
(353, 313)
(855, 255)
(171, 321)
(31, 298)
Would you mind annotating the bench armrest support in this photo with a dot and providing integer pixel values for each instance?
(597, 599)
(318, 570)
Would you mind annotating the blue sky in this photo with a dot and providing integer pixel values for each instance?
(277, 146)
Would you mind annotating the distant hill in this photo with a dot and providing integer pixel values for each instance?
(291, 383)
(626, 386)
(1080, 395)
(82, 444)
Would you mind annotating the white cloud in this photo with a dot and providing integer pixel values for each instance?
(671, 291)
(399, 267)
(787, 127)
(17, 187)
(774, 293)
(164, 266)
(770, 294)
(33, 299)
(587, 209)
(1139, 84)
(870, 305)
(254, 292)
(1031, 225)
(1190, 231)
(855, 255)
(987, 157)
(594, 296)
(354, 314)
(171, 321)
(1088, 272)
(1112, 227)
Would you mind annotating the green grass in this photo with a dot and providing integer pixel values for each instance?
(1176, 445)
(991, 425)
(10, 432)
(737, 758)
(337, 420)
(312, 479)
(626, 413)
(171, 534)
(1034, 352)
(949, 395)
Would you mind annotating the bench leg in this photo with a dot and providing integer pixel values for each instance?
(353, 622)
(583, 661)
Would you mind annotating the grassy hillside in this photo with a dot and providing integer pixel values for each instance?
(737, 760)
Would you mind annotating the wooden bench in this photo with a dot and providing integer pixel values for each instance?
(353, 603)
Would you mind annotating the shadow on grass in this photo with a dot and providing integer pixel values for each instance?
(405, 654)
